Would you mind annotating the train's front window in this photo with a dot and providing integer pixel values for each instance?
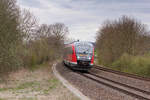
(84, 48)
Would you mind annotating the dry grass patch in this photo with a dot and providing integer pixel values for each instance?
(38, 84)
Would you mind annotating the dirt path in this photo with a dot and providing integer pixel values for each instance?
(39, 84)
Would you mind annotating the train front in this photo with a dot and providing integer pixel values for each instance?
(85, 55)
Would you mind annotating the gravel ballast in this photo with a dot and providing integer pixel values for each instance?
(90, 88)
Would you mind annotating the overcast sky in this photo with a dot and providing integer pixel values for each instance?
(84, 17)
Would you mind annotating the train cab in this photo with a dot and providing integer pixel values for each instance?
(79, 55)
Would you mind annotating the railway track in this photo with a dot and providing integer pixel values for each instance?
(129, 90)
(121, 73)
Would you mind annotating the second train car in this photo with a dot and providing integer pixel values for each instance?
(79, 55)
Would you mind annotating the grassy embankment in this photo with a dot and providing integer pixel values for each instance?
(139, 65)
(36, 84)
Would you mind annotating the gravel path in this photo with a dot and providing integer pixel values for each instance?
(91, 89)
(141, 84)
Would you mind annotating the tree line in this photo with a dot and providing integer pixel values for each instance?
(23, 41)
(122, 43)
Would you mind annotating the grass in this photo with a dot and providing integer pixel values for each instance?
(3, 89)
(28, 85)
(21, 86)
(2, 99)
(37, 66)
(36, 83)
(28, 98)
(139, 65)
(54, 83)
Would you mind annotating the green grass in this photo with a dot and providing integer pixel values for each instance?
(43, 86)
(28, 98)
(37, 66)
(53, 84)
(27, 85)
(2, 99)
(3, 89)
(53, 81)
(139, 65)
(36, 86)
(22, 86)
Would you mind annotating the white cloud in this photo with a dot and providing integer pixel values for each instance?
(84, 17)
(84, 32)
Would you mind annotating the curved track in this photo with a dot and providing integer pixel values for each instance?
(132, 91)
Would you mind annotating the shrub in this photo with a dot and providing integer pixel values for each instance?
(139, 65)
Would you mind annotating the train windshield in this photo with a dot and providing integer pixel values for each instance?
(84, 48)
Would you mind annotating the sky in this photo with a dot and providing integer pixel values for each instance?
(85, 17)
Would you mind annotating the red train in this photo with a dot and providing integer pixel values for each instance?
(79, 55)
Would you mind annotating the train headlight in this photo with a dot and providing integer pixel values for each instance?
(89, 58)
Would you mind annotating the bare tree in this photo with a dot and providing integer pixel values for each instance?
(44, 31)
(28, 24)
(59, 30)
(125, 35)
(54, 35)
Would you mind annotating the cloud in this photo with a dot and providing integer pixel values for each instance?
(84, 17)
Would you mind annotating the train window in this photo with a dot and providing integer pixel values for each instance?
(84, 48)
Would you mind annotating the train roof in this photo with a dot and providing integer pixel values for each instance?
(79, 42)
(83, 42)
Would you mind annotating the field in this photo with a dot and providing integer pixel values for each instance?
(35, 84)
